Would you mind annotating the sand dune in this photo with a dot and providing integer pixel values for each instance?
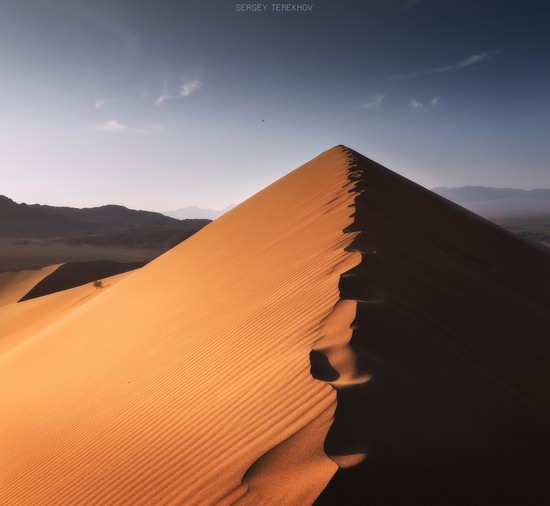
(75, 274)
(189, 383)
(15, 285)
(342, 318)
(25, 285)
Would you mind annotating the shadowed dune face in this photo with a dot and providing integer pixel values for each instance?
(189, 382)
(78, 273)
(452, 330)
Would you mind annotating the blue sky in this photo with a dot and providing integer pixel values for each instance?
(159, 105)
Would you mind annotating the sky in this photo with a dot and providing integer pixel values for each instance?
(164, 104)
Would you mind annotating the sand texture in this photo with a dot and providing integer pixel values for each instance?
(23, 320)
(189, 381)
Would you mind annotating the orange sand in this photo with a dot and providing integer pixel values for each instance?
(19, 321)
(189, 382)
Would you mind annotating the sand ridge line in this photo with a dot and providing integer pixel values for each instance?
(332, 358)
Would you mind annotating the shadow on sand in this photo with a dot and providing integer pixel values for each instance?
(452, 328)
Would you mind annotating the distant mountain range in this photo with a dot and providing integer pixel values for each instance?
(36, 235)
(109, 224)
(502, 205)
(194, 212)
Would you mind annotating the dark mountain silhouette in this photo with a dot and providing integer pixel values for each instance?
(38, 221)
(36, 235)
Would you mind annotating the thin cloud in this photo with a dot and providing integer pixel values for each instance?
(100, 102)
(114, 126)
(186, 89)
(374, 102)
(475, 59)
(415, 104)
(190, 87)
(163, 97)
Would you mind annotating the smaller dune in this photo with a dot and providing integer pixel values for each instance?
(75, 274)
(15, 285)
(19, 321)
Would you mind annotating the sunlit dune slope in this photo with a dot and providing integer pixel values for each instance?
(189, 382)
(22, 320)
(15, 285)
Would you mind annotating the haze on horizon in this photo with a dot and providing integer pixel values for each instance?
(162, 105)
